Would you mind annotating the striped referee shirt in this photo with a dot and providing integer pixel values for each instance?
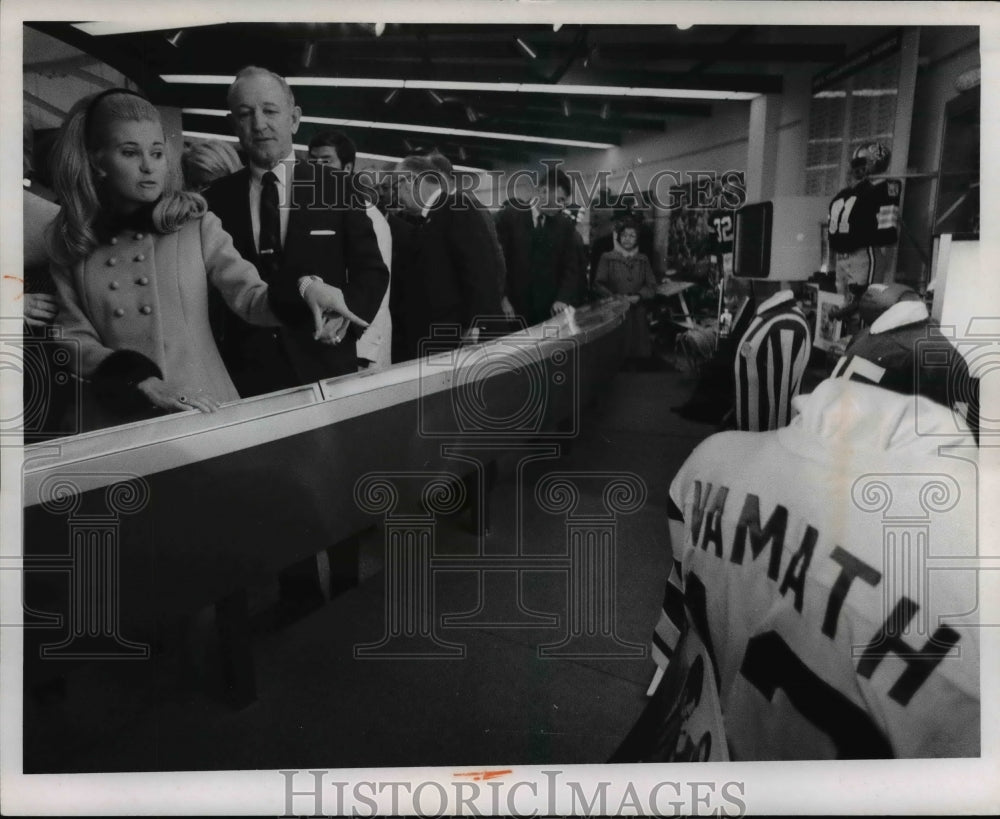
(770, 362)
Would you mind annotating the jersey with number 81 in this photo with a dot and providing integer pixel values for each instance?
(865, 215)
(803, 558)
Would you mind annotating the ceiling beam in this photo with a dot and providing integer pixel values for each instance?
(93, 79)
(38, 102)
(122, 55)
(65, 65)
(733, 41)
(755, 83)
(726, 52)
(198, 122)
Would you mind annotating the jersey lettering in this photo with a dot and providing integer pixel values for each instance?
(851, 567)
(770, 664)
(858, 369)
(773, 533)
(919, 662)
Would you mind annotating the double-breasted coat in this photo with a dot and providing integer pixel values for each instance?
(147, 293)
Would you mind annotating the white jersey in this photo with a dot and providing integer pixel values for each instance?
(826, 567)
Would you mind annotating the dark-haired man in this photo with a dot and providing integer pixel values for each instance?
(452, 280)
(337, 151)
(543, 263)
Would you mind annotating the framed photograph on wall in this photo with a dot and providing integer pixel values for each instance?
(826, 333)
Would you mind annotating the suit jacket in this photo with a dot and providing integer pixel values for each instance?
(329, 236)
(543, 265)
(453, 277)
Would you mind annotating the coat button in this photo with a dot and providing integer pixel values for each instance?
(140, 235)
(112, 261)
(119, 312)
(114, 285)
(141, 257)
(143, 280)
(145, 309)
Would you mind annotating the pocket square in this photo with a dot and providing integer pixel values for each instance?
(322, 233)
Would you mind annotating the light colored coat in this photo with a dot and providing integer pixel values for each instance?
(149, 293)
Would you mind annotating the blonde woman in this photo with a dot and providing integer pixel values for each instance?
(133, 258)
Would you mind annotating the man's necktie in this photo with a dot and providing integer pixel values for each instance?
(270, 226)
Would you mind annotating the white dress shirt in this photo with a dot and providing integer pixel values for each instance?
(375, 344)
(431, 201)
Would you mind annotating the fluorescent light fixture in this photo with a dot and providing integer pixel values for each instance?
(423, 129)
(566, 109)
(829, 95)
(506, 87)
(874, 92)
(464, 132)
(308, 55)
(390, 96)
(102, 29)
(436, 98)
(206, 135)
(298, 147)
(527, 49)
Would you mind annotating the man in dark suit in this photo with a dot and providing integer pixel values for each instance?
(544, 274)
(295, 221)
(443, 164)
(453, 278)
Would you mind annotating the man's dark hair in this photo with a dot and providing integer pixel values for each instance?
(423, 165)
(340, 142)
(441, 162)
(556, 178)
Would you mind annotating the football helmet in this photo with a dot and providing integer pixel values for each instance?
(880, 297)
(870, 158)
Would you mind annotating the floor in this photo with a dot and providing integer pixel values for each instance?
(505, 693)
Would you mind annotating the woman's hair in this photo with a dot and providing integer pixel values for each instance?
(73, 234)
(204, 162)
(626, 224)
